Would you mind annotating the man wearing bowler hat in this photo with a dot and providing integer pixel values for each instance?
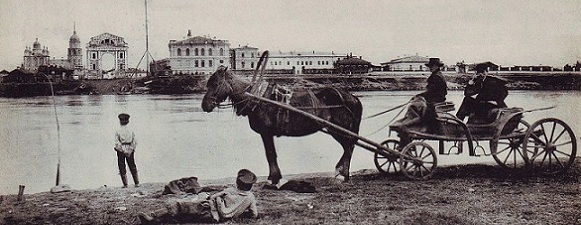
(125, 143)
(230, 203)
(482, 94)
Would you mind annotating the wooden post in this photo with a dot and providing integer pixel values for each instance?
(21, 192)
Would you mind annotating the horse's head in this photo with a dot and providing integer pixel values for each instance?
(219, 88)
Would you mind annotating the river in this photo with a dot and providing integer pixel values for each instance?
(176, 139)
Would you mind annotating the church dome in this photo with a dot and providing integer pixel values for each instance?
(74, 38)
(36, 44)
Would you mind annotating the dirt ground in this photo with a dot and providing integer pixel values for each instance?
(467, 194)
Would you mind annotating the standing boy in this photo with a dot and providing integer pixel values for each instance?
(125, 144)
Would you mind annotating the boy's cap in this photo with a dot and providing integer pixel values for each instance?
(123, 117)
(246, 176)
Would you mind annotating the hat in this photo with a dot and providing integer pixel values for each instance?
(481, 68)
(123, 117)
(434, 61)
(246, 176)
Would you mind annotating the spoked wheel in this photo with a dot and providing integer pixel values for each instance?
(550, 146)
(508, 151)
(418, 161)
(387, 164)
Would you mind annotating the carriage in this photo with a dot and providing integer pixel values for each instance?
(548, 145)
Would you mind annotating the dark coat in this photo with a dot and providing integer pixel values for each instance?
(436, 89)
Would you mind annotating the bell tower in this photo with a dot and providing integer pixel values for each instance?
(75, 52)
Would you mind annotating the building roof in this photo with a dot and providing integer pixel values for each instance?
(409, 59)
(197, 40)
(245, 47)
(352, 61)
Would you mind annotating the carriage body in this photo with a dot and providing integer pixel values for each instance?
(548, 145)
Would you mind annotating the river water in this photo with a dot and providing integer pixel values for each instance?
(176, 139)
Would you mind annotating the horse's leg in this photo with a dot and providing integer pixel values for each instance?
(344, 163)
(274, 175)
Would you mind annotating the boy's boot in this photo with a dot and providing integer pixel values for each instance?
(124, 180)
(135, 178)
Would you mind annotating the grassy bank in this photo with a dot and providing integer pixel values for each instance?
(467, 194)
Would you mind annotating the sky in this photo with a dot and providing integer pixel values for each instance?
(505, 32)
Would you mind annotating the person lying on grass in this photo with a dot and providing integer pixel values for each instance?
(227, 204)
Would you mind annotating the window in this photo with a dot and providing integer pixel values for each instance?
(252, 55)
(221, 52)
(288, 63)
(187, 51)
(203, 51)
(210, 52)
(243, 64)
(203, 63)
(251, 64)
(179, 52)
(120, 55)
(221, 61)
(196, 63)
(210, 63)
(94, 56)
(196, 51)
(242, 54)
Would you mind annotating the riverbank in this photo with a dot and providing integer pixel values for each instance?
(188, 84)
(465, 194)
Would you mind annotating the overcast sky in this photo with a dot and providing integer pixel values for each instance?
(506, 32)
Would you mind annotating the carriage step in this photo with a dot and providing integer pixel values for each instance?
(458, 146)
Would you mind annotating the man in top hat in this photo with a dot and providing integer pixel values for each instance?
(482, 94)
(436, 89)
(125, 144)
(230, 203)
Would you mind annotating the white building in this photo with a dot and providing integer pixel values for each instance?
(407, 63)
(244, 58)
(198, 55)
(302, 62)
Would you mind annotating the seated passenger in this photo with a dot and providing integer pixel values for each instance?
(482, 94)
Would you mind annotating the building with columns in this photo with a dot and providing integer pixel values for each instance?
(198, 55)
(103, 48)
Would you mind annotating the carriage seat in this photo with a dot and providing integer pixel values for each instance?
(442, 107)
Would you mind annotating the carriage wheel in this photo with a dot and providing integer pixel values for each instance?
(550, 146)
(418, 161)
(509, 152)
(387, 164)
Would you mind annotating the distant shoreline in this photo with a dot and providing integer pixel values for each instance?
(384, 81)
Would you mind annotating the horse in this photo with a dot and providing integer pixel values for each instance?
(269, 120)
